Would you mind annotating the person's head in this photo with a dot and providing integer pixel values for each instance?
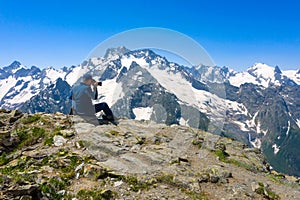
(88, 79)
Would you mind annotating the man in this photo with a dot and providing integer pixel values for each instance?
(82, 96)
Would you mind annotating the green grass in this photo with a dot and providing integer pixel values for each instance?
(52, 186)
(3, 159)
(96, 194)
(81, 143)
(266, 192)
(17, 173)
(135, 184)
(196, 196)
(29, 136)
(31, 118)
(197, 143)
(49, 140)
(224, 157)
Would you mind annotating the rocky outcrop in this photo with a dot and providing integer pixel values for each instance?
(7, 124)
(58, 157)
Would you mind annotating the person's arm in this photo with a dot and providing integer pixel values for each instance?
(71, 95)
(95, 93)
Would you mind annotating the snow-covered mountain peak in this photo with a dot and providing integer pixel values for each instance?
(14, 67)
(260, 74)
(147, 58)
(262, 70)
(115, 52)
(277, 70)
(15, 64)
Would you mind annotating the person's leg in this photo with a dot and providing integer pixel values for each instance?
(103, 106)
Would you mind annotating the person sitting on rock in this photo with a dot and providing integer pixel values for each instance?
(82, 95)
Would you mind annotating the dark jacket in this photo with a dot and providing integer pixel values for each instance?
(82, 96)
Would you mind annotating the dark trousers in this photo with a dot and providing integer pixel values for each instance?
(103, 106)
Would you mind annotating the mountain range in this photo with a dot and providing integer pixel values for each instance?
(259, 106)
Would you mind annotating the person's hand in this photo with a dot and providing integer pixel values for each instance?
(95, 83)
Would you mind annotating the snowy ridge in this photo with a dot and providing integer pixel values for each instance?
(174, 82)
(52, 75)
(22, 84)
(6, 85)
(262, 74)
(292, 74)
(142, 85)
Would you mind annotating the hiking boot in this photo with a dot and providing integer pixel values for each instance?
(110, 119)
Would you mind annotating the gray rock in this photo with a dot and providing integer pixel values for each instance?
(59, 140)
(22, 190)
(67, 133)
(2, 124)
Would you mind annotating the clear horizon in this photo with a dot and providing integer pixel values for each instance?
(235, 34)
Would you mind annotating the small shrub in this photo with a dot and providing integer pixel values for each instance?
(95, 194)
(30, 119)
(134, 183)
(52, 187)
(49, 141)
(266, 192)
(30, 136)
(195, 195)
(81, 143)
(222, 155)
(3, 159)
(38, 132)
(277, 178)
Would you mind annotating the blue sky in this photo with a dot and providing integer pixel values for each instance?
(235, 33)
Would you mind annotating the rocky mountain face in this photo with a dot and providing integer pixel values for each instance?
(54, 156)
(259, 107)
(54, 98)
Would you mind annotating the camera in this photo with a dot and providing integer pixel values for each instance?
(99, 83)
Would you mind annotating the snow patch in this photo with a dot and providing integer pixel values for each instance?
(256, 143)
(262, 70)
(26, 93)
(241, 125)
(206, 102)
(292, 74)
(75, 74)
(298, 122)
(241, 78)
(126, 61)
(276, 149)
(289, 127)
(183, 122)
(174, 83)
(110, 92)
(258, 130)
(251, 122)
(17, 69)
(52, 75)
(6, 85)
(143, 113)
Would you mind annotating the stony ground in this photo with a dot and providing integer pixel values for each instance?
(54, 156)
